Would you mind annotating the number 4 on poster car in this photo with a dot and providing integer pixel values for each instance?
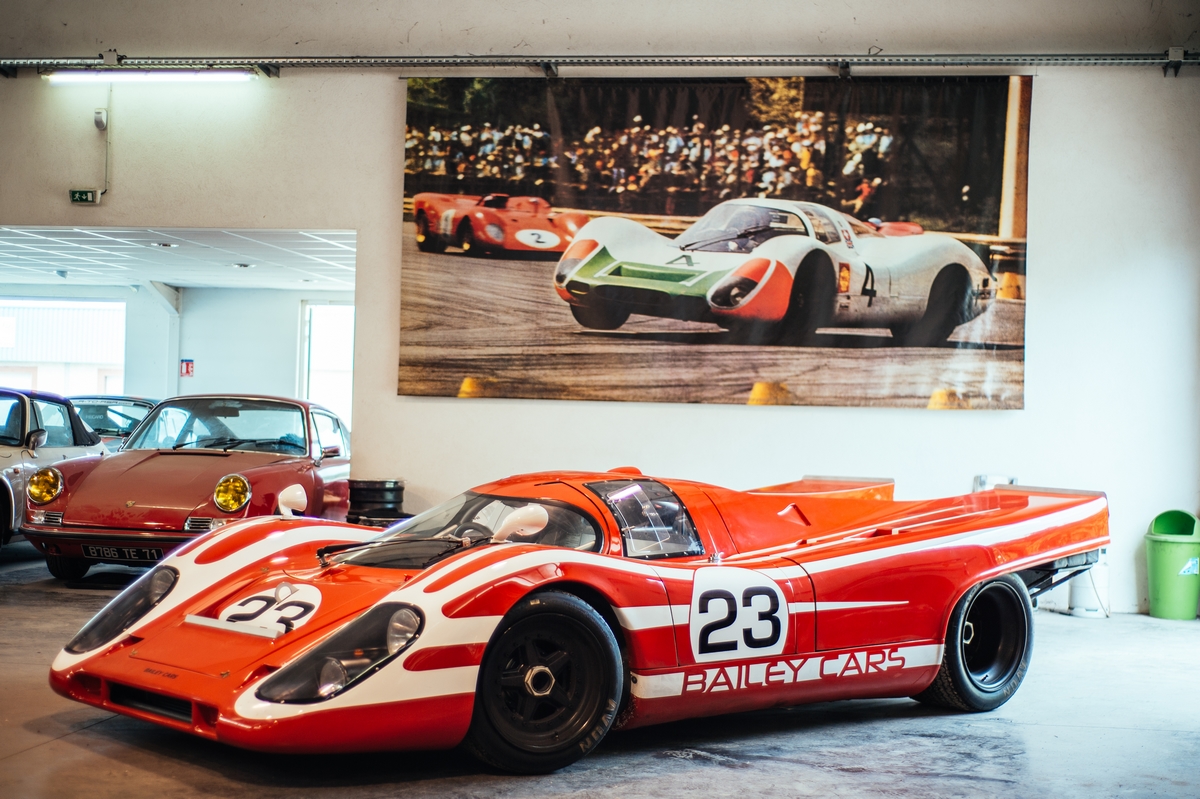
(527, 618)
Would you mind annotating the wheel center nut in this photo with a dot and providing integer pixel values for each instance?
(539, 681)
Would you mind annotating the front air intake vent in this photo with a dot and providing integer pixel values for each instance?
(54, 518)
(151, 702)
(198, 524)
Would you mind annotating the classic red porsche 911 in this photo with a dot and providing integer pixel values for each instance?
(492, 223)
(528, 617)
(193, 464)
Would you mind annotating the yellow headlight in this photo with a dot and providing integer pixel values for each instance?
(232, 493)
(45, 485)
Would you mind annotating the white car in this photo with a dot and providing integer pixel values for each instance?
(774, 272)
(37, 429)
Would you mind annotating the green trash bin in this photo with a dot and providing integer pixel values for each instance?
(1173, 565)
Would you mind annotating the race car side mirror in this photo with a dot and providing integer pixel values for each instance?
(36, 438)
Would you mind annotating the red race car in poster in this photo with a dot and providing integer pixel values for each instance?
(191, 465)
(528, 617)
(492, 223)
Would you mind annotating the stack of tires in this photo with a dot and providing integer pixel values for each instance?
(376, 503)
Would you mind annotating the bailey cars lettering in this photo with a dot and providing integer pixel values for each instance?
(527, 618)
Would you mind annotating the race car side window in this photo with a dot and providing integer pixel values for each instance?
(653, 522)
(823, 226)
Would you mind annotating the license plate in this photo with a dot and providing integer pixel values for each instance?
(122, 553)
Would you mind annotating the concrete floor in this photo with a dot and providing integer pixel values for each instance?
(1110, 707)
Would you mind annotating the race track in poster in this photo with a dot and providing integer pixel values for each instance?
(494, 326)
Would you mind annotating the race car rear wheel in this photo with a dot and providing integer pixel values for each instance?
(989, 641)
(946, 309)
(600, 317)
(549, 686)
(427, 239)
(68, 569)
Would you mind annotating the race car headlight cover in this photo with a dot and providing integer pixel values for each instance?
(733, 291)
(130, 605)
(45, 485)
(576, 254)
(347, 657)
(494, 232)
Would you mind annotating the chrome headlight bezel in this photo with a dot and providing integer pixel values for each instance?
(49, 471)
(232, 479)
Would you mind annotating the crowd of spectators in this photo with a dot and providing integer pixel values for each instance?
(665, 170)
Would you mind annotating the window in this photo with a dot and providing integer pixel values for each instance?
(331, 434)
(653, 522)
(62, 346)
(328, 362)
(56, 421)
(10, 417)
(823, 226)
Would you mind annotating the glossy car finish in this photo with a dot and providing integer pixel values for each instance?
(21, 413)
(112, 417)
(774, 271)
(492, 223)
(810, 591)
(138, 504)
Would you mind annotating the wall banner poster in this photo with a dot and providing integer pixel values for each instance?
(803, 241)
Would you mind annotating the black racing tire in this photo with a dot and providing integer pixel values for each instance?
(427, 239)
(946, 309)
(67, 569)
(989, 642)
(604, 316)
(467, 241)
(549, 686)
(811, 303)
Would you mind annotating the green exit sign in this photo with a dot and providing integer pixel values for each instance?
(85, 196)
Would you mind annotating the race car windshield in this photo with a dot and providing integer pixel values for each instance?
(223, 423)
(472, 520)
(653, 522)
(739, 228)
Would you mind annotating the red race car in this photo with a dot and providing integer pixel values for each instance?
(191, 465)
(492, 223)
(528, 617)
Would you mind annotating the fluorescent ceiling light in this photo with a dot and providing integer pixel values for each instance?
(148, 76)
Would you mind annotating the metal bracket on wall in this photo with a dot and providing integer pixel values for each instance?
(8, 72)
(268, 70)
(1175, 56)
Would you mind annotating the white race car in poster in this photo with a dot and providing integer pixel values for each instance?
(774, 272)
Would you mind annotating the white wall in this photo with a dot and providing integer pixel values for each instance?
(248, 342)
(1115, 176)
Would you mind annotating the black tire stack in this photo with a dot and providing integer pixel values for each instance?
(376, 503)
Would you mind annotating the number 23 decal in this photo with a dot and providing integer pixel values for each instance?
(736, 613)
(287, 606)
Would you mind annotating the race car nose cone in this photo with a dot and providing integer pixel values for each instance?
(539, 681)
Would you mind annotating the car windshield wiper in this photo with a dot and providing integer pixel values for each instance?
(725, 237)
(227, 443)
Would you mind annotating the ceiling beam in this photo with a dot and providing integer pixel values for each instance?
(169, 297)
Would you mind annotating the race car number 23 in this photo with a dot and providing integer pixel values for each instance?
(285, 607)
(736, 614)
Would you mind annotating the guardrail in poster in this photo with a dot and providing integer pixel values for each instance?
(803, 241)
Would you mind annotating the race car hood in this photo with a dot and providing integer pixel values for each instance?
(155, 489)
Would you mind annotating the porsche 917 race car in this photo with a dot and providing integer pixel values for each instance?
(492, 223)
(774, 272)
(528, 617)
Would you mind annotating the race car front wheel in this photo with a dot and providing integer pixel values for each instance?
(549, 686)
(427, 239)
(988, 645)
(600, 317)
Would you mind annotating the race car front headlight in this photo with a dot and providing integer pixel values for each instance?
(130, 605)
(347, 657)
(232, 493)
(494, 232)
(576, 254)
(733, 291)
(45, 485)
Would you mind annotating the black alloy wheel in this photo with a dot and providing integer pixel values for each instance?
(989, 642)
(602, 316)
(67, 569)
(549, 686)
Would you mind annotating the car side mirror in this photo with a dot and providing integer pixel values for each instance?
(36, 438)
(292, 500)
(332, 451)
